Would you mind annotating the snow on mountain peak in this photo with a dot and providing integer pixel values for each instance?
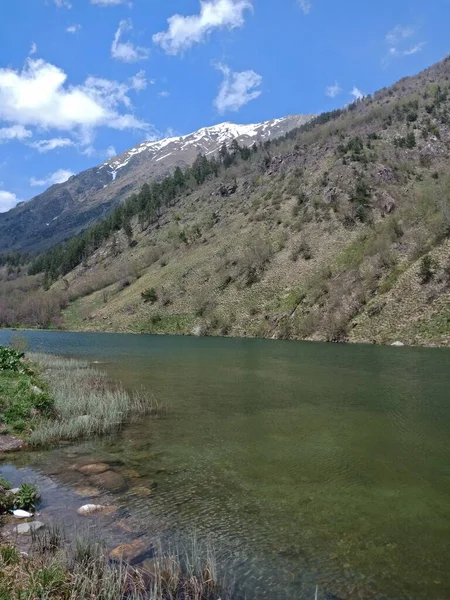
(207, 140)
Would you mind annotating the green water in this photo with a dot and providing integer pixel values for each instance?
(308, 464)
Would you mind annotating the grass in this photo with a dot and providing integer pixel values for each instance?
(23, 396)
(86, 403)
(48, 399)
(80, 570)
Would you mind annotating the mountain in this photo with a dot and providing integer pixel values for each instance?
(67, 208)
(339, 231)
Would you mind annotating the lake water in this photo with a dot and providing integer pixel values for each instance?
(307, 464)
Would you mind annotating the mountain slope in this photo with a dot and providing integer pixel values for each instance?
(65, 209)
(338, 232)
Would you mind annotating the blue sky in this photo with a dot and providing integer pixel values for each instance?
(81, 80)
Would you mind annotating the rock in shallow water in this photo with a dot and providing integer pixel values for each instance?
(111, 481)
(95, 509)
(87, 492)
(27, 528)
(94, 469)
(128, 552)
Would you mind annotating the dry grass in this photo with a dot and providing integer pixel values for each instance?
(80, 570)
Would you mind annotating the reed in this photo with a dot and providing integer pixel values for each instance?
(86, 403)
(80, 570)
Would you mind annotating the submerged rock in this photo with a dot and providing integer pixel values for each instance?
(27, 528)
(128, 552)
(94, 509)
(94, 469)
(111, 481)
(141, 491)
(87, 492)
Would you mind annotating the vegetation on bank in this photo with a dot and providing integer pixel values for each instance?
(24, 396)
(23, 498)
(59, 569)
(46, 399)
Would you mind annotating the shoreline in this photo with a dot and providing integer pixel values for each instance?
(435, 345)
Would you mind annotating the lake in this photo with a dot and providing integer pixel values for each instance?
(307, 464)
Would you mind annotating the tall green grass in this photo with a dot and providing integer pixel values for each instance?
(86, 402)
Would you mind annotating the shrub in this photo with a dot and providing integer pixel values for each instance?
(149, 295)
(11, 360)
(426, 269)
(302, 249)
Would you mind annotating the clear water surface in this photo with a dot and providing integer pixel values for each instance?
(308, 464)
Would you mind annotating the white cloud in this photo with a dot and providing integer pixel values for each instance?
(39, 96)
(63, 4)
(8, 200)
(43, 146)
(184, 32)
(33, 49)
(110, 2)
(305, 5)
(138, 82)
(236, 89)
(74, 28)
(164, 94)
(397, 40)
(126, 51)
(91, 151)
(357, 94)
(399, 33)
(16, 132)
(407, 51)
(333, 90)
(59, 176)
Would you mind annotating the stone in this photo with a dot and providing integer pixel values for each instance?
(141, 491)
(398, 344)
(132, 474)
(36, 389)
(111, 481)
(27, 528)
(95, 509)
(10, 443)
(87, 492)
(22, 514)
(124, 525)
(94, 469)
(128, 552)
(15, 490)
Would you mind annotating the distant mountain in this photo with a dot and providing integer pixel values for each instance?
(67, 208)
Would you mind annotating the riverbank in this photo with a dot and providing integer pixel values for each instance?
(45, 399)
(38, 559)
(403, 337)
